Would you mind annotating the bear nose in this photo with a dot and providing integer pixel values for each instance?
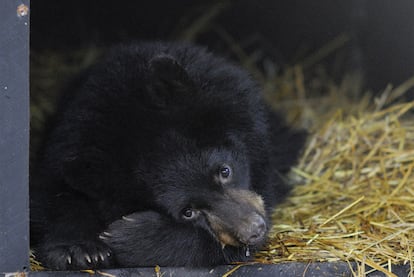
(256, 231)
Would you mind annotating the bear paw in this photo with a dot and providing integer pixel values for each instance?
(71, 256)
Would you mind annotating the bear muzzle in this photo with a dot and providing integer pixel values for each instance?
(238, 218)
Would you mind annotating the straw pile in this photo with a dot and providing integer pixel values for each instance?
(356, 201)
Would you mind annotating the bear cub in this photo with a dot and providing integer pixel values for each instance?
(160, 154)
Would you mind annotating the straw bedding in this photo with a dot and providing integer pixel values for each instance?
(355, 198)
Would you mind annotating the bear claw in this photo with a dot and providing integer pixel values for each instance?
(128, 219)
(88, 258)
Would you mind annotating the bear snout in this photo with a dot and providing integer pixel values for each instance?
(237, 218)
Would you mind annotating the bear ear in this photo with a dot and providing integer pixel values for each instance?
(169, 80)
(166, 69)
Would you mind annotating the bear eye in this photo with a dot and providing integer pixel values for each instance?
(225, 173)
(189, 213)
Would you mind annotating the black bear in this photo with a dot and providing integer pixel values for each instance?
(161, 153)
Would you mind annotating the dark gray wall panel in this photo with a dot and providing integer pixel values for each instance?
(14, 135)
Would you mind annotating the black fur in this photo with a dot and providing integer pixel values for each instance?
(144, 135)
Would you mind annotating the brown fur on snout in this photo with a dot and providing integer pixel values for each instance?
(218, 227)
(231, 212)
(249, 198)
